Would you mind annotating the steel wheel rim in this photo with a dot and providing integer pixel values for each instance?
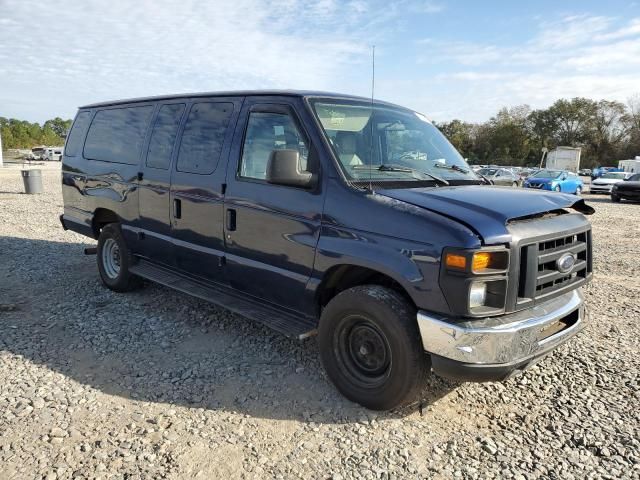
(363, 351)
(111, 258)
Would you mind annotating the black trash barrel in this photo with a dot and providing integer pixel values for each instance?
(32, 181)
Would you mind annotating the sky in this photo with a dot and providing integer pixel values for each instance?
(447, 59)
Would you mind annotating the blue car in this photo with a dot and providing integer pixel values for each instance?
(556, 181)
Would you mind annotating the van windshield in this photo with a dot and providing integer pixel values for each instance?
(383, 143)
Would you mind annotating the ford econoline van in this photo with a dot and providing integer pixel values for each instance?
(333, 216)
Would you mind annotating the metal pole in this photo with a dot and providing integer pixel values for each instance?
(544, 153)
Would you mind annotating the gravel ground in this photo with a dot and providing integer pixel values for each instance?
(155, 384)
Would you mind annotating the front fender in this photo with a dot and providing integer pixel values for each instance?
(413, 265)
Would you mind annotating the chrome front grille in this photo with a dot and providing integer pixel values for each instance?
(542, 270)
(549, 276)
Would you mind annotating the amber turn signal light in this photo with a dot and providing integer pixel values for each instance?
(481, 260)
(453, 260)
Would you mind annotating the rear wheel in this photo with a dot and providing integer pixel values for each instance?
(114, 260)
(515, 184)
(370, 347)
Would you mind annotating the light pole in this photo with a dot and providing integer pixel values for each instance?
(544, 153)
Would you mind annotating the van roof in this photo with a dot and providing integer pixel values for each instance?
(237, 93)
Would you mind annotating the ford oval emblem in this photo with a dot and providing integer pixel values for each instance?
(566, 262)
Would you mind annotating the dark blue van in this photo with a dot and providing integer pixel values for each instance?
(331, 215)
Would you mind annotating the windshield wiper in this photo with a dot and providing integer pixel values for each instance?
(387, 167)
(451, 167)
(486, 180)
(463, 170)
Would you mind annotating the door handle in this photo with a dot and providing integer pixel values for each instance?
(231, 220)
(177, 208)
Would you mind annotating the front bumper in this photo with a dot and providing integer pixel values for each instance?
(600, 188)
(539, 186)
(496, 348)
(628, 194)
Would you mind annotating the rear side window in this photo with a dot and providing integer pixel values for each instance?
(203, 137)
(76, 135)
(163, 136)
(117, 135)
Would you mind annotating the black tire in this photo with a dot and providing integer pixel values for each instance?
(615, 198)
(113, 250)
(515, 185)
(371, 349)
(557, 189)
(578, 191)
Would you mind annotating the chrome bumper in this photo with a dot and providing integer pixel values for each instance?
(600, 188)
(512, 340)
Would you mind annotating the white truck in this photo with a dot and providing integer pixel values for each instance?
(631, 166)
(52, 154)
(564, 158)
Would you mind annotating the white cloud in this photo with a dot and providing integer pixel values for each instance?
(55, 56)
(591, 56)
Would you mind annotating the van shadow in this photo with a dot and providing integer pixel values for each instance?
(157, 345)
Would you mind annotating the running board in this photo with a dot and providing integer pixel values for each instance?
(289, 324)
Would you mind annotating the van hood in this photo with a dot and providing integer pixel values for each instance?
(487, 210)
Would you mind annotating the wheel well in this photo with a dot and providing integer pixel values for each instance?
(102, 217)
(342, 277)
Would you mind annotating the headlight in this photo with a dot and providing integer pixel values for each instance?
(477, 294)
(474, 282)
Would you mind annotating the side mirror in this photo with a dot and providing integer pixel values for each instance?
(283, 168)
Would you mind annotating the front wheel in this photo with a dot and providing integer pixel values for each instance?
(557, 189)
(114, 260)
(371, 349)
(578, 190)
(515, 185)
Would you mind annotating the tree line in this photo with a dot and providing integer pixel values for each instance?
(23, 134)
(607, 131)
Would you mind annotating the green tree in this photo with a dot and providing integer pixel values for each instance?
(461, 135)
(58, 125)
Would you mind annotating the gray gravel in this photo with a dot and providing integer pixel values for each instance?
(155, 384)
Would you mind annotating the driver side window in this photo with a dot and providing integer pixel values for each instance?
(267, 132)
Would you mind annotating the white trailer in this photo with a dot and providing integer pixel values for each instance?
(564, 158)
(631, 166)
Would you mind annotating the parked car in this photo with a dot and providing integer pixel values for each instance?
(555, 180)
(605, 183)
(501, 176)
(600, 171)
(629, 189)
(332, 215)
(585, 172)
